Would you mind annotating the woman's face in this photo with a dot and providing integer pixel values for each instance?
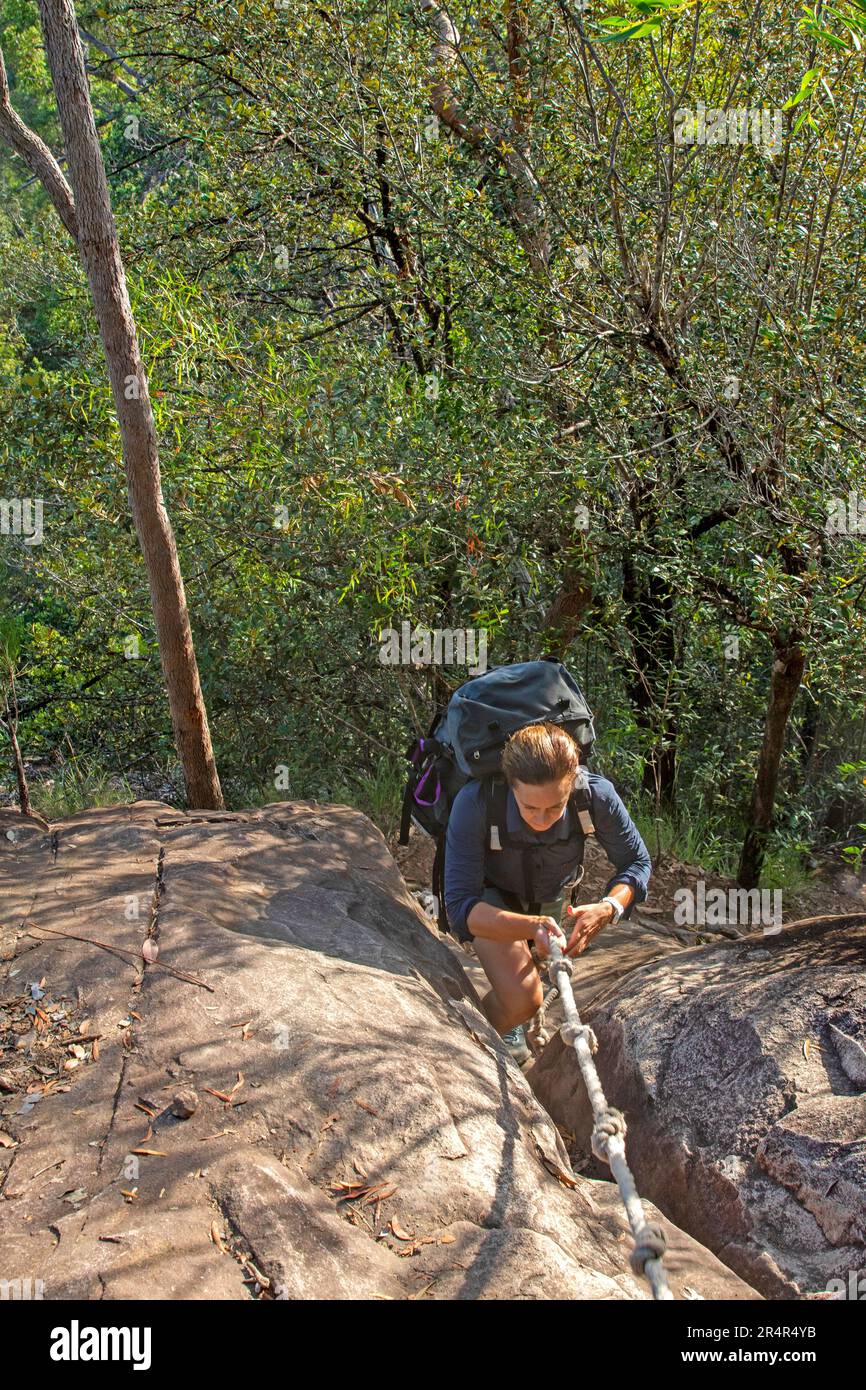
(541, 806)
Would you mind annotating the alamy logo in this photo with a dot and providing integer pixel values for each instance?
(737, 126)
(424, 646)
(76, 1343)
(21, 1290)
(854, 1289)
(22, 516)
(846, 516)
(741, 907)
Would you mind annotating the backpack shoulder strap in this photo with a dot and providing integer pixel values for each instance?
(497, 836)
(406, 810)
(580, 805)
(495, 807)
(496, 800)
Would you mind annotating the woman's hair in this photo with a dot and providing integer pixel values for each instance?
(540, 753)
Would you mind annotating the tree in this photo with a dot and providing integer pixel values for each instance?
(10, 642)
(85, 210)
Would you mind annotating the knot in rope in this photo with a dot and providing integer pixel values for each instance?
(608, 1125)
(570, 1032)
(650, 1244)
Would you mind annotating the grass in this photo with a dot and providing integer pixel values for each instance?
(705, 841)
(78, 787)
(784, 868)
(696, 840)
(380, 797)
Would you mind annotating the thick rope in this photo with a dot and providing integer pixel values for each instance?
(608, 1135)
(536, 1030)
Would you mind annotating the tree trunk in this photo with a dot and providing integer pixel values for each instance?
(509, 146)
(567, 613)
(100, 255)
(11, 723)
(785, 681)
(809, 736)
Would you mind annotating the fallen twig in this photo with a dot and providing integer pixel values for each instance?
(121, 951)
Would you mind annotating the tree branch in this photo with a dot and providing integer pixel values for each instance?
(37, 156)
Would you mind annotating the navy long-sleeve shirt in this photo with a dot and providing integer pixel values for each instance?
(470, 863)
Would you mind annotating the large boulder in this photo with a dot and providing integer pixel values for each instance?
(741, 1068)
(314, 1107)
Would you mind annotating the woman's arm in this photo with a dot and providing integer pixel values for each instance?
(620, 838)
(464, 855)
(497, 924)
(621, 841)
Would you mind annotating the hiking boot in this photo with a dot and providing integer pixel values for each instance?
(515, 1041)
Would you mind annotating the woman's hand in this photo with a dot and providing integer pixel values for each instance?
(545, 929)
(585, 923)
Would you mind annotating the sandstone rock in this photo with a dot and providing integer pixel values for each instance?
(852, 1056)
(360, 1130)
(744, 1126)
(818, 1152)
(185, 1103)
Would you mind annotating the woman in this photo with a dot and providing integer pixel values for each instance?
(483, 886)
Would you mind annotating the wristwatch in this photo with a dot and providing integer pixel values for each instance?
(618, 909)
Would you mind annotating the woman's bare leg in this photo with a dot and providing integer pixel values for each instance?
(516, 992)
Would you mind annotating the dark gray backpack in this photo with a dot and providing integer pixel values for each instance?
(466, 740)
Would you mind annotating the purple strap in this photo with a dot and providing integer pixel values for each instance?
(419, 799)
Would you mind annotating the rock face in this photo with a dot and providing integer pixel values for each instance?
(358, 1129)
(737, 1068)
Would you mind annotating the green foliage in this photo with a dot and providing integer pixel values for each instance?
(371, 408)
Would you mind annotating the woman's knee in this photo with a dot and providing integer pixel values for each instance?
(513, 976)
(525, 1002)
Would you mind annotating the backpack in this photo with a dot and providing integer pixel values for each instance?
(466, 740)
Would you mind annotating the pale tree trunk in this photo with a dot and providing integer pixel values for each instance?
(509, 144)
(20, 776)
(10, 719)
(86, 212)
